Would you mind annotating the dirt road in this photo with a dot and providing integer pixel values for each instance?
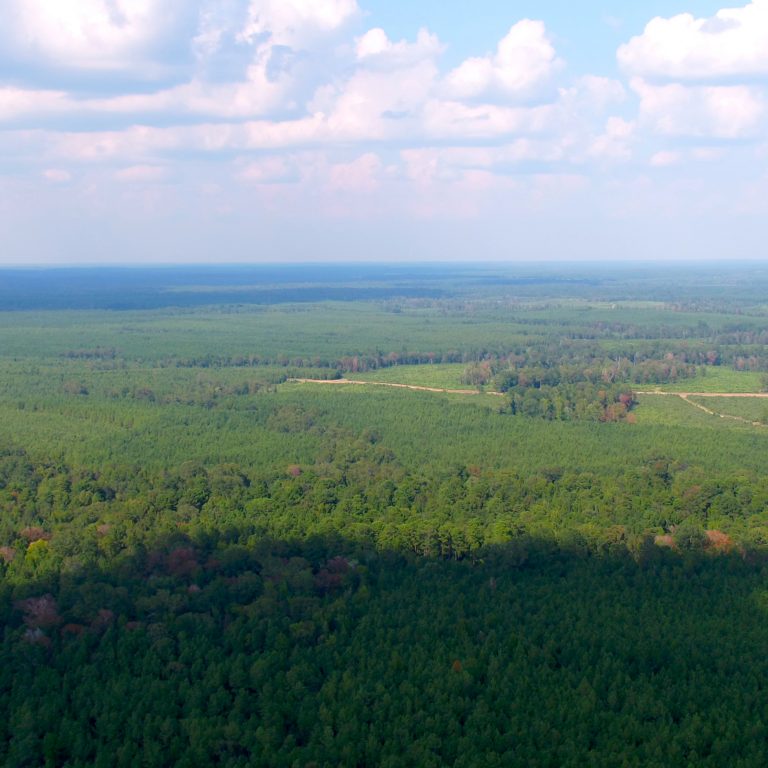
(702, 394)
(682, 395)
(686, 395)
(399, 386)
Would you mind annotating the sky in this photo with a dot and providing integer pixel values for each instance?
(223, 131)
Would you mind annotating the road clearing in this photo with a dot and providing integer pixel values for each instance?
(687, 395)
(398, 386)
(682, 395)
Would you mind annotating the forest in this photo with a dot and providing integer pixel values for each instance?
(465, 515)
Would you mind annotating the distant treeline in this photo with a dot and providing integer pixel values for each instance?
(678, 362)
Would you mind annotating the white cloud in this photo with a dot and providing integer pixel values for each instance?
(370, 109)
(615, 141)
(373, 43)
(375, 103)
(255, 96)
(374, 47)
(446, 120)
(21, 102)
(296, 23)
(325, 119)
(391, 92)
(88, 34)
(524, 62)
(731, 44)
(724, 112)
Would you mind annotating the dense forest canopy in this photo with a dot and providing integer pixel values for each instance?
(550, 550)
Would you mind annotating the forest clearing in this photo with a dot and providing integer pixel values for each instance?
(417, 387)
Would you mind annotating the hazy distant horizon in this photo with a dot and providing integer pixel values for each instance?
(601, 264)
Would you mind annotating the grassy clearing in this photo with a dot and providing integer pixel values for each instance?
(745, 408)
(447, 376)
(718, 379)
(674, 412)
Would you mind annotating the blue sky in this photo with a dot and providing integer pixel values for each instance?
(587, 34)
(156, 131)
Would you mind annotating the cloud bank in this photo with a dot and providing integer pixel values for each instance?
(301, 107)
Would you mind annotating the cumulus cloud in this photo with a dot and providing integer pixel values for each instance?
(454, 120)
(256, 95)
(698, 78)
(252, 98)
(381, 102)
(275, 107)
(731, 44)
(312, 103)
(522, 65)
(374, 47)
(16, 103)
(722, 112)
(295, 23)
(90, 34)
(615, 141)
(385, 91)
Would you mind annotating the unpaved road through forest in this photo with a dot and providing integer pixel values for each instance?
(682, 395)
(686, 395)
(701, 394)
(399, 386)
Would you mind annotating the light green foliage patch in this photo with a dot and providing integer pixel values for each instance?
(752, 409)
(719, 379)
(448, 376)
